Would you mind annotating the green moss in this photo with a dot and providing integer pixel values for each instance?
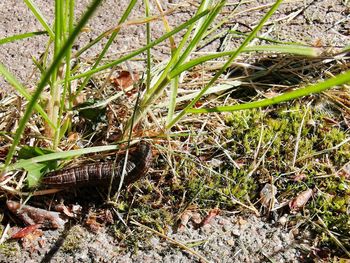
(316, 135)
(9, 249)
(73, 240)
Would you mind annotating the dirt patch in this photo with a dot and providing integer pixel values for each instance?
(235, 238)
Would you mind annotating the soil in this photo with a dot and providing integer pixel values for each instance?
(228, 237)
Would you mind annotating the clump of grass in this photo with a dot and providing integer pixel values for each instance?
(250, 147)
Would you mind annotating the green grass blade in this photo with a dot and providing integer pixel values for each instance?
(22, 90)
(55, 91)
(148, 51)
(175, 80)
(23, 163)
(164, 79)
(45, 79)
(311, 89)
(173, 95)
(141, 50)
(200, 32)
(228, 63)
(39, 16)
(21, 36)
(287, 49)
(108, 44)
(346, 49)
(68, 29)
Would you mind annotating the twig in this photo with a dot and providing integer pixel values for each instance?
(298, 138)
(4, 234)
(256, 166)
(324, 151)
(335, 239)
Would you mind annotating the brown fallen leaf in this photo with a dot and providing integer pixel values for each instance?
(25, 231)
(185, 217)
(30, 242)
(92, 223)
(125, 79)
(72, 212)
(33, 216)
(301, 200)
(212, 213)
(73, 137)
(96, 219)
(196, 218)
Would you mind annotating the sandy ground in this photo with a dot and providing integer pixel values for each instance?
(230, 237)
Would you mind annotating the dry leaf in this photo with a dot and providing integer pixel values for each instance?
(91, 222)
(97, 219)
(125, 79)
(30, 241)
(25, 231)
(301, 200)
(73, 137)
(66, 210)
(185, 217)
(196, 218)
(33, 216)
(212, 213)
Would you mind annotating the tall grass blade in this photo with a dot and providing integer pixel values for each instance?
(45, 79)
(148, 51)
(39, 16)
(23, 163)
(108, 44)
(175, 80)
(141, 50)
(311, 89)
(164, 79)
(21, 36)
(228, 63)
(68, 29)
(55, 91)
(287, 49)
(22, 90)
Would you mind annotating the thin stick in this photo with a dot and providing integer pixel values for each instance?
(298, 138)
(4, 234)
(116, 196)
(325, 150)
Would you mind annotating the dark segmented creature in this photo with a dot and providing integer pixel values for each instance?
(97, 173)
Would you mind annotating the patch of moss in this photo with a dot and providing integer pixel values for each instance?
(73, 240)
(9, 249)
(317, 157)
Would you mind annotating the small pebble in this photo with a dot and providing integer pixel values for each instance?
(231, 242)
(277, 248)
(283, 220)
(236, 232)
